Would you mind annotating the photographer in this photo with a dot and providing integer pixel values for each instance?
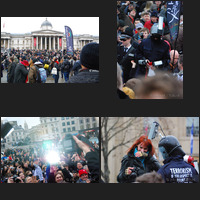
(139, 160)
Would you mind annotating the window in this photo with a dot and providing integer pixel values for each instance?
(73, 128)
(63, 124)
(64, 130)
(69, 129)
(189, 122)
(72, 122)
(67, 117)
(68, 123)
(62, 118)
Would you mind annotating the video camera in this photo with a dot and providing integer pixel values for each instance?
(16, 179)
(70, 145)
(154, 131)
(155, 63)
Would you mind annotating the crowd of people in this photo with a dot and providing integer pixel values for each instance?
(146, 54)
(30, 165)
(34, 66)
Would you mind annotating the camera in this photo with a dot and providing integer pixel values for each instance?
(69, 143)
(142, 62)
(141, 35)
(16, 179)
(157, 64)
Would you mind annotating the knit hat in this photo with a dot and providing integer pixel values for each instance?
(82, 171)
(89, 56)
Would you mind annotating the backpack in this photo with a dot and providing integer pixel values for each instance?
(43, 75)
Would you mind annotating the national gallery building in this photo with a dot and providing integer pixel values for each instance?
(45, 38)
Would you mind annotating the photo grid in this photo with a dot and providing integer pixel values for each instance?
(123, 148)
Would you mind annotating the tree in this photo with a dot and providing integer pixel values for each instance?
(111, 127)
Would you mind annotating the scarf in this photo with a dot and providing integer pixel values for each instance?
(141, 159)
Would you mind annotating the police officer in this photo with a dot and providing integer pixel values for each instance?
(175, 169)
(153, 49)
(126, 54)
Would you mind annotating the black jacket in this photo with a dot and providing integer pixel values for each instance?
(85, 76)
(124, 59)
(20, 74)
(153, 51)
(66, 66)
(151, 164)
(176, 170)
(93, 165)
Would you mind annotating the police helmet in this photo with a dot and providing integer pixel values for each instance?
(170, 146)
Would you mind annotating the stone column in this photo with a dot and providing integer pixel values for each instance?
(50, 43)
(41, 43)
(58, 43)
(4, 43)
(32, 42)
(54, 43)
(45, 42)
(8, 43)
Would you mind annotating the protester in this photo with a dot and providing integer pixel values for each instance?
(139, 160)
(47, 58)
(153, 44)
(21, 72)
(30, 165)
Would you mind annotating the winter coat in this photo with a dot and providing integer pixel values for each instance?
(11, 71)
(150, 163)
(85, 76)
(32, 75)
(176, 170)
(93, 165)
(66, 66)
(153, 51)
(20, 73)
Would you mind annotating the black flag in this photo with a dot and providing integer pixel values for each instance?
(173, 18)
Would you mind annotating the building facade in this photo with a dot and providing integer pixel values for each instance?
(45, 38)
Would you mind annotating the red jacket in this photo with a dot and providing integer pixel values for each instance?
(149, 24)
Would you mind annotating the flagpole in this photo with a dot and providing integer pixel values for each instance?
(191, 138)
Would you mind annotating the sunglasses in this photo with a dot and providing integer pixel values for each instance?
(124, 39)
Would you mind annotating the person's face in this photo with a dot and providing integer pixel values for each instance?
(29, 180)
(58, 178)
(21, 175)
(146, 17)
(174, 57)
(154, 19)
(145, 34)
(126, 42)
(158, 3)
(142, 147)
(79, 165)
(84, 177)
(133, 13)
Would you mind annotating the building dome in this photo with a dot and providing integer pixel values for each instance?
(46, 25)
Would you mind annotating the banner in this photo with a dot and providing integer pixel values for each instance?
(173, 18)
(60, 42)
(191, 139)
(69, 40)
(34, 42)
